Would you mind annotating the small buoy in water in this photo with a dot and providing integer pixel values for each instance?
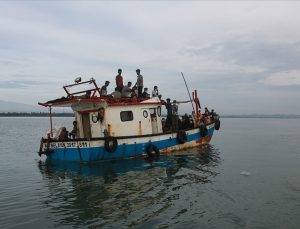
(245, 173)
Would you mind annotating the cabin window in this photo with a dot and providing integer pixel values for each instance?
(145, 114)
(126, 116)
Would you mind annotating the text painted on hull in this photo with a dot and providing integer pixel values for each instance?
(54, 145)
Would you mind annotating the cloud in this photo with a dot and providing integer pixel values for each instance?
(252, 56)
(24, 83)
(228, 50)
(285, 78)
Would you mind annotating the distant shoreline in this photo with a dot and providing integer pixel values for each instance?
(46, 114)
(34, 114)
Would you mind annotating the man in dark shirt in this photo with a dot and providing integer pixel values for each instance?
(74, 132)
(169, 114)
(145, 93)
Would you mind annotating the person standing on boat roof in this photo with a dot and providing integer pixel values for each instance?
(119, 81)
(139, 83)
(126, 91)
(87, 95)
(104, 88)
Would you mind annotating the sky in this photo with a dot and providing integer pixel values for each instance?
(243, 57)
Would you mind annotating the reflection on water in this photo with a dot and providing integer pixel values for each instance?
(124, 193)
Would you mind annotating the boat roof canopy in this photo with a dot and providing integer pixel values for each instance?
(67, 102)
(88, 91)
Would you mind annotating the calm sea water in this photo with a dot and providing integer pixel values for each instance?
(248, 177)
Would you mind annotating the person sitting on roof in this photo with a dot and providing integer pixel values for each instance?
(155, 92)
(145, 93)
(104, 88)
(116, 93)
(126, 91)
(62, 99)
(87, 95)
(119, 81)
(134, 92)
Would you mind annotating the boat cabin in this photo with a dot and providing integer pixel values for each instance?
(101, 119)
(101, 116)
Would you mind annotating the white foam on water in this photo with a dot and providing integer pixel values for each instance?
(245, 173)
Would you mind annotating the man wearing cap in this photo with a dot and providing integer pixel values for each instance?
(104, 88)
(139, 83)
(119, 81)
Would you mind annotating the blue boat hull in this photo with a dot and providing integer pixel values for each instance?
(95, 150)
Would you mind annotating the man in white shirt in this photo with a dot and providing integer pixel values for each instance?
(126, 91)
(104, 88)
(155, 92)
(139, 83)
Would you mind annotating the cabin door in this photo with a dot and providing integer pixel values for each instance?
(153, 116)
(86, 125)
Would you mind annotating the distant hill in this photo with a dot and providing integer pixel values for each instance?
(6, 106)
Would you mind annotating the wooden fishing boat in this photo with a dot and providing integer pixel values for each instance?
(117, 128)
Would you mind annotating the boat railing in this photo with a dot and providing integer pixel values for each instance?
(93, 90)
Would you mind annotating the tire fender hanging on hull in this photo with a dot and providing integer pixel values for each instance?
(152, 152)
(217, 124)
(111, 144)
(203, 130)
(181, 137)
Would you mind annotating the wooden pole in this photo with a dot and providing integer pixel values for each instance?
(188, 92)
(51, 127)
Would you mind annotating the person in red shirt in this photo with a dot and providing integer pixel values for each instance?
(119, 81)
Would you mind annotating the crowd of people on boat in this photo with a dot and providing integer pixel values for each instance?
(129, 90)
(174, 122)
